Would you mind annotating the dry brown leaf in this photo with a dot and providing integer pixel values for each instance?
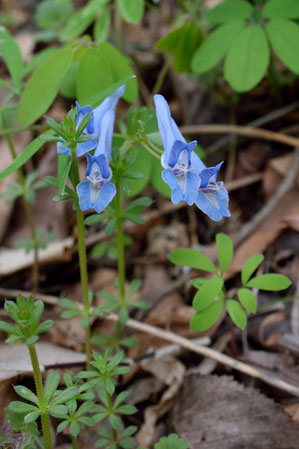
(293, 411)
(271, 327)
(171, 372)
(285, 215)
(274, 173)
(219, 413)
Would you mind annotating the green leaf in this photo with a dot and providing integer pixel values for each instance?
(102, 26)
(270, 282)
(62, 426)
(21, 407)
(230, 10)
(104, 93)
(44, 327)
(84, 322)
(250, 266)
(126, 409)
(171, 442)
(115, 422)
(99, 250)
(64, 166)
(82, 19)
(247, 59)
(204, 319)
(95, 218)
(8, 328)
(52, 14)
(25, 393)
(215, 47)
(74, 428)
(207, 293)
(284, 38)
(65, 395)
(247, 299)
(225, 251)
(139, 202)
(11, 53)
(192, 258)
(42, 86)
(181, 44)
(32, 416)
(58, 411)
(68, 86)
(23, 157)
(277, 9)
(131, 12)
(51, 385)
(236, 312)
(120, 69)
(94, 75)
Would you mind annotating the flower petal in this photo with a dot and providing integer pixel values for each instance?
(64, 150)
(182, 189)
(85, 147)
(105, 138)
(83, 190)
(215, 205)
(168, 128)
(109, 103)
(177, 149)
(196, 163)
(106, 195)
(81, 111)
(207, 173)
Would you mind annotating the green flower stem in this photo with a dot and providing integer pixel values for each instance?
(28, 213)
(161, 77)
(82, 262)
(150, 150)
(41, 397)
(121, 253)
(110, 408)
(74, 443)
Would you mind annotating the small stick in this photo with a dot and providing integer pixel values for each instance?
(208, 352)
(242, 131)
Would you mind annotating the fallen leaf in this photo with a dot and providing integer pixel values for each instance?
(215, 412)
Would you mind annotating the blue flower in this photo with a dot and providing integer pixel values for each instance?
(187, 176)
(93, 129)
(97, 191)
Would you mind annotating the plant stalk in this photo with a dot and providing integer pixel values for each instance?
(74, 443)
(41, 397)
(82, 263)
(110, 408)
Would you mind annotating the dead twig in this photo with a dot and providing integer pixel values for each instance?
(208, 352)
(284, 187)
(241, 131)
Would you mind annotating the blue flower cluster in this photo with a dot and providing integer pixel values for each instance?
(187, 176)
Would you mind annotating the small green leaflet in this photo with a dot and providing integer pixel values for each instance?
(225, 251)
(250, 266)
(230, 10)
(192, 258)
(270, 282)
(247, 59)
(207, 293)
(11, 53)
(281, 9)
(131, 11)
(204, 319)
(247, 299)
(236, 312)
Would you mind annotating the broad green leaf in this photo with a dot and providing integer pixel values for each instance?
(102, 26)
(281, 9)
(247, 59)
(38, 58)
(11, 53)
(230, 10)
(142, 164)
(215, 47)
(236, 312)
(192, 258)
(181, 44)
(23, 157)
(64, 166)
(52, 14)
(25, 393)
(68, 86)
(284, 37)
(250, 266)
(225, 251)
(94, 75)
(52, 383)
(43, 85)
(204, 319)
(247, 299)
(131, 11)
(156, 178)
(207, 293)
(271, 282)
(82, 19)
(104, 93)
(120, 69)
